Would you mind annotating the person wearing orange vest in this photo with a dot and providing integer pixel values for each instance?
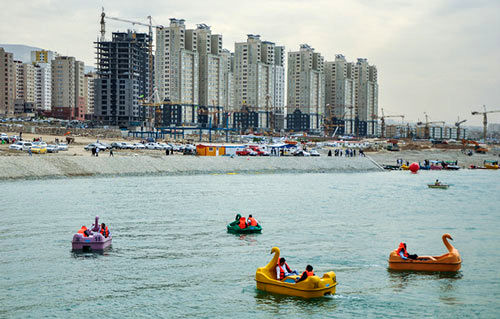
(243, 222)
(403, 253)
(283, 270)
(308, 273)
(104, 230)
(251, 221)
(84, 231)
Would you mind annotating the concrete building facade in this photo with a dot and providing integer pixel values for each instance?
(255, 80)
(366, 99)
(339, 95)
(88, 92)
(123, 79)
(306, 87)
(43, 59)
(7, 83)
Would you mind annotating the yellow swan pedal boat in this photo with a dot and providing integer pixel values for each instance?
(450, 261)
(312, 287)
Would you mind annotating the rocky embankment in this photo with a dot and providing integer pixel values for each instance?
(26, 167)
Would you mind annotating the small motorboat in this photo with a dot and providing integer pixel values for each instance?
(392, 167)
(312, 287)
(234, 227)
(450, 261)
(491, 164)
(92, 240)
(442, 186)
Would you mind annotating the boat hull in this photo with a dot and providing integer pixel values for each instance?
(438, 186)
(235, 229)
(291, 291)
(96, 242)
(415, 265)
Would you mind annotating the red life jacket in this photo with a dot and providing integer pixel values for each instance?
(243, 222)
(252, 221)
(282, 271)
(402, 247)
(105, 232)
(82, 231)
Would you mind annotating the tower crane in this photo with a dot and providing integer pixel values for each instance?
(382, 121)
(426, 130)
(457, 124)
(485, 119)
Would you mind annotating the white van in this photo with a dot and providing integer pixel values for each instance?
(20, 146)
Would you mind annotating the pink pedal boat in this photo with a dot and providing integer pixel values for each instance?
(95, 241)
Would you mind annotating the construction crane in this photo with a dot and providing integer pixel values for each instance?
(457, 124)
(382, 121)
(426, 130)
(485, 119)
(329, 120)
(269, 114)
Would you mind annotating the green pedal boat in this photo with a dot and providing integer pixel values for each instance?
(234, 227)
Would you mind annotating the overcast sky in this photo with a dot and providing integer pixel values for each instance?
(436, 56)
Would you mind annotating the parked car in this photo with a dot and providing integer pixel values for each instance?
(153, 146)
(4, 136)
(95, 145)
(165, 146)
(118, 145)
(189, 150)
(246, 152)
(20, 146)
(106, 145)
(301, 153)
(62, 147)
(51, 148)
(128, 146)
(139, 146)
(39, 148)
(314, 153)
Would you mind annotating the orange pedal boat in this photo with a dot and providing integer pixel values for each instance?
(450, 261)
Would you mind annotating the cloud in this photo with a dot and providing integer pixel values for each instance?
(438, 56)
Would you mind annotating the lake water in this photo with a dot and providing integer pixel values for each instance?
(171, 256)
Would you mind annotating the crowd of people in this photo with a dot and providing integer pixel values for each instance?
(348, 152)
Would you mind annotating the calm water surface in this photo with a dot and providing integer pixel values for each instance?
(171, 256)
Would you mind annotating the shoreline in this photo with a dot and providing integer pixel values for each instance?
(34, 167)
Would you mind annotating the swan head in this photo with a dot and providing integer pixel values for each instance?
(275, 250)
(447, 236)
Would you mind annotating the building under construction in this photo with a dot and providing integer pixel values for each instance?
(123, 79)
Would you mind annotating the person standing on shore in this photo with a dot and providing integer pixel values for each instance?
(111, 152)
(97, 151)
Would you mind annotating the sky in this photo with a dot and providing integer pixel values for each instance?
(441, 57)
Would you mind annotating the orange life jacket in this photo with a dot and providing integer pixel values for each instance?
(402, 247)
(105, 232)
(282, 271)
(82, 231)
(252, 220)
(243, 222)
(309, 273)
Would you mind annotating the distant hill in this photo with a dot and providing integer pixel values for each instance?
(23, 53)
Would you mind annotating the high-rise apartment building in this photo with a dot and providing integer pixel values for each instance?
(67, 88)
(43, 59)
(255, 81)
(366, 99)
(177, 72)
(7, 83)
(227, 61)
(306, 89)
(88, 92)
(123, 79)
(24, 87)
(339, 95)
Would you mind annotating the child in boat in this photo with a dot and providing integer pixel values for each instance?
(437, 183)
(308, 273)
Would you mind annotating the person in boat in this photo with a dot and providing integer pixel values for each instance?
(283, 270)
(104, 230)
(308, 273)
(84, 231)
(251, 222)
(243, 222)
(437, 183)
(403, 253)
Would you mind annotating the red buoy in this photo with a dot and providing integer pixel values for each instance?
(414, 167)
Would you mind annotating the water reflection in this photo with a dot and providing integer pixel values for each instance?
(279, 304)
